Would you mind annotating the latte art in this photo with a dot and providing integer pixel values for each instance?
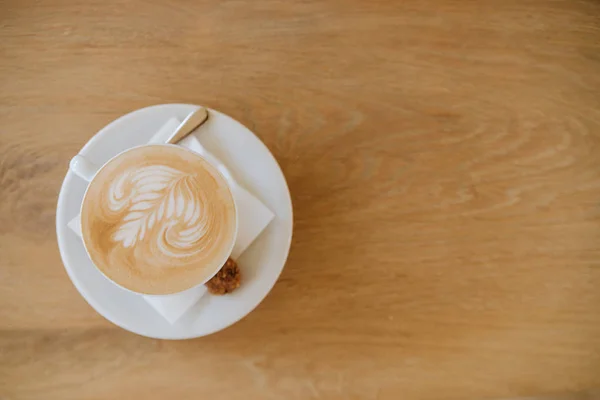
(161, 204)
(158, 220)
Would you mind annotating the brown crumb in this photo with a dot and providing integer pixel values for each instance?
(226, 280)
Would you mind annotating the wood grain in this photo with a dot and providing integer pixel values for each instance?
(444, 163)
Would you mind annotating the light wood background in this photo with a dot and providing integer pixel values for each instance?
(444, 163)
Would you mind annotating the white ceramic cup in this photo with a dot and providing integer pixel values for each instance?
(87, 170)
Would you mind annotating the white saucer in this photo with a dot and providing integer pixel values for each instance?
(252, 165)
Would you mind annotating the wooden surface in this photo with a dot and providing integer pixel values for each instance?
(444, 163)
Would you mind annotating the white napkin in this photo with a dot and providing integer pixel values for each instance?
(253, 218)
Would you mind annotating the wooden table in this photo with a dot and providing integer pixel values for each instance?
(444, 163)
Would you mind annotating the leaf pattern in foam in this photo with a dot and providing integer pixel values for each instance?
(154, 195)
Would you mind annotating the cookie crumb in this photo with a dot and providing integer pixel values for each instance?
(226, 280)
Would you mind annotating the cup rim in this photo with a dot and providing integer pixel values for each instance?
(228, 185)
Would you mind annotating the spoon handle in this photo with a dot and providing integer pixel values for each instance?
(189, 124)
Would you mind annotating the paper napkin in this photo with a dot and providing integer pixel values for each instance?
(253, 218)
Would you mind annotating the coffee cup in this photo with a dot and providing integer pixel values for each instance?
(157, 219)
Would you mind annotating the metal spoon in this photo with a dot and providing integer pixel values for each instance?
(189, 124)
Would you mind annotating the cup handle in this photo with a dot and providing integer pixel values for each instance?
(83, 168)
